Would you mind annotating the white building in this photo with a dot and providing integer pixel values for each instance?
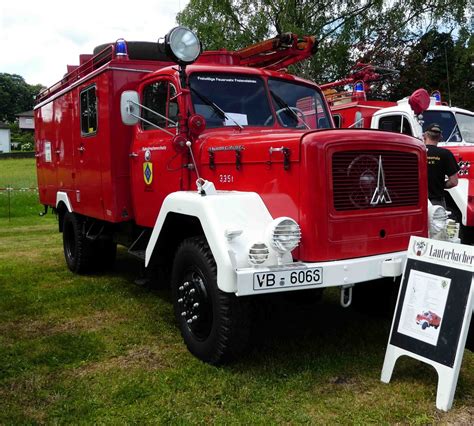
(4, 137)
(26, 120)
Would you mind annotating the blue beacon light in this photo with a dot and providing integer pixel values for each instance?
(359, 87)
(437, 96)
(120, 47)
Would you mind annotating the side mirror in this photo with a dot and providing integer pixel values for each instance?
(129, 109)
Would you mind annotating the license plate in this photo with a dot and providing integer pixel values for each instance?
(287, 278)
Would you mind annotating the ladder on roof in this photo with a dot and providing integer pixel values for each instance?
(278, 52)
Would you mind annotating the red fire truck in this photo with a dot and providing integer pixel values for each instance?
(351, 109)
(227, 170)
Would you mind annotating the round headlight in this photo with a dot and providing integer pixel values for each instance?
(438, 217)
(182, 45)
(258, 253)
(285, 234)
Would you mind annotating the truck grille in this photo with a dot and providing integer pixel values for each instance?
(358, 181)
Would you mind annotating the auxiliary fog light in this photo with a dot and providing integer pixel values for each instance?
(284, 234)
(438, 218)
(182, 45)
(258, 254)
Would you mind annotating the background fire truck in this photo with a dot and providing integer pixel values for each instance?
(228, 174)
(351, 109)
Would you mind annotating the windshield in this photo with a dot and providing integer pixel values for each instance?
(297, 105)
(230, 100)
(242, 100)
(466, 126)
(452, 131)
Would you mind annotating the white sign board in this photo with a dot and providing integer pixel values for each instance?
(433, 312)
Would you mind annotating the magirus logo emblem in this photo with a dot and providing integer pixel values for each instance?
(380, 195)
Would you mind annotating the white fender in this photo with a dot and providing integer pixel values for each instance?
(62, 196)
(222, 216)
(459, 194)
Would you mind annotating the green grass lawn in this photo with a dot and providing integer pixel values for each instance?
(99, 349)
(19, 205)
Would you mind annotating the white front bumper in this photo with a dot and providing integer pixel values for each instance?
(335, 273)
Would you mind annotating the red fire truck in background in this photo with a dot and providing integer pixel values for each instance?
(226, 169)
(351, 109)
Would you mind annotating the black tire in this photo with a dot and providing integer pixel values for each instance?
(424, 325)
(216, 330)
(78, 251)
(466, 234)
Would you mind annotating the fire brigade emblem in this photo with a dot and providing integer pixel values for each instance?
(420, 248)
(148, 172)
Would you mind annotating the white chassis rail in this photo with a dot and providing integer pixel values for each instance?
(233, 221)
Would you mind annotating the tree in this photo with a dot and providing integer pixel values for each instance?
(375, 31)
(15, 96)
(438, 62)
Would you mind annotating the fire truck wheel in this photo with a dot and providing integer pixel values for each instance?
(214, 325)
(466, 234)
(78, 251)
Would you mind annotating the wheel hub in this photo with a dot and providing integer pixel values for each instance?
(194, 306)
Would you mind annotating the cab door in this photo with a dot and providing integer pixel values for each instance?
(88, 144)
(156, 168)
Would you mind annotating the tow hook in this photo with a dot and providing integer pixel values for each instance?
(346, 295)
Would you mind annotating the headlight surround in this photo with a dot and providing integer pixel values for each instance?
(258, 253)
(284, 234)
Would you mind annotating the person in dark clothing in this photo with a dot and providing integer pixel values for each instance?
(441, 164)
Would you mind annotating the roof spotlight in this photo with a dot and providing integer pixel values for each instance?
(182, 45)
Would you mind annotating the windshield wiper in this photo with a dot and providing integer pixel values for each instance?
(220, 112)
(283, 105)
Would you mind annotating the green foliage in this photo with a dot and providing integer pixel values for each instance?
(433, 58)
(24, 138)
(382, 33)
(15, 96)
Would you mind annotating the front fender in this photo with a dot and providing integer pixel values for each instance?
(222, 216)
(460, 195)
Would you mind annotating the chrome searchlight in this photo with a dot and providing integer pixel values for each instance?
(182, 45)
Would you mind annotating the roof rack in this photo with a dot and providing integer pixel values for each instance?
(90, 64)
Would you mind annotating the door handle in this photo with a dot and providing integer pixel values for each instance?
(81, 149)
(58, 151)
(133, 154)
